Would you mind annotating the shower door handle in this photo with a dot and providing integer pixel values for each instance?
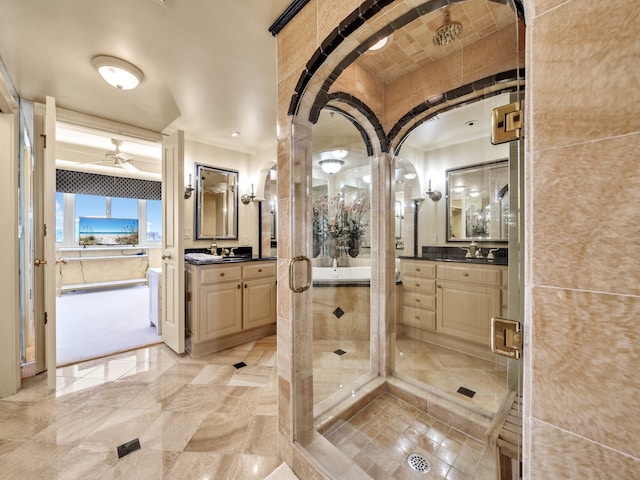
(307, 285)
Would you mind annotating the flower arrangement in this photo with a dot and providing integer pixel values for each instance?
(345, 228)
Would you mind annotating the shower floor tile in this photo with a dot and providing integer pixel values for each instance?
(381, 436)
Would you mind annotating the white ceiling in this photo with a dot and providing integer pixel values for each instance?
(209, 65)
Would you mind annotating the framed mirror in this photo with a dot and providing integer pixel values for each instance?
(478, 202)
(216, 203)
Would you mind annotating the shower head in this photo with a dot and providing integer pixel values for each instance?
(448, 32)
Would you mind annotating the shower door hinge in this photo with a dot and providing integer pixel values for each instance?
(45, 230)
(507, 122)
(45, 318)
(506, 337)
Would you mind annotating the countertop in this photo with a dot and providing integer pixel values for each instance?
(230, 260)
(479, 261)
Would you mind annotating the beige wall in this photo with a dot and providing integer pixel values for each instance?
(582, 415)
(583, 280)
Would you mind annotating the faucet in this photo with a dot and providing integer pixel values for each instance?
(473, 251)
(232, 254)
(213, 248)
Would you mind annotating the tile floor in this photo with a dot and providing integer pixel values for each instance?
(447, 370)
(382, 436)
(195, 418)
(203, 419)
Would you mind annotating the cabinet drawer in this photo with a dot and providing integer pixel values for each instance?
(418, 268)
(221, 273)
(424, 285)
(419, 300)
(475, 274)
(417, 317)
(254, 270)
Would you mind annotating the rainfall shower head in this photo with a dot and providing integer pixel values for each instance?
(448, 32)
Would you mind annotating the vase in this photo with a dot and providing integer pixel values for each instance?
(354, 248)
(333, 247)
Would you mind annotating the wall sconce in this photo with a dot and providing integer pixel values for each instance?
(247, 199)
(188, 190)
(434, 195)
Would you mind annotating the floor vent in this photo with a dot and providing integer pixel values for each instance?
(418, 463)
(339, 352)
(466, 392)
(126, 448)
(239, 365)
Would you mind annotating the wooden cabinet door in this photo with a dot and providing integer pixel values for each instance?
(465, 310)
(259, 302)
(220, 310)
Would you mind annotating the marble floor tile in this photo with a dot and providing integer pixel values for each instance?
(381, 436)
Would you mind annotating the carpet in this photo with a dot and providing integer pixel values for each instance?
(93, 324)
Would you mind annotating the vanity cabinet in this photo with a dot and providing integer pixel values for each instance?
(454, 299)
(229, 304)
(419, 294)
(468, 296)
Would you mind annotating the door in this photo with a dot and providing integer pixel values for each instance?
(259, 302)
(173, 323)
(49, 265)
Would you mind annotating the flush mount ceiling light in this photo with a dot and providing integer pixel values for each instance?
(117, 72)
(448, 32)
(340, 153)
(410, 176)
(331, 165)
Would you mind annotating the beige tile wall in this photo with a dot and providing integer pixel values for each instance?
(583, 284)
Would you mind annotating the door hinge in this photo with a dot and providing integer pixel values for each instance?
(46, 319)
(507, 122)
(44, 139)
(45, 230)
(506, 337)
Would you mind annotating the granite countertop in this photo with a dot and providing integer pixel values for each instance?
(228, 260)
(439, 258)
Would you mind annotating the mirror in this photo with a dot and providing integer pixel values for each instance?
(216, 203)
(478, 203)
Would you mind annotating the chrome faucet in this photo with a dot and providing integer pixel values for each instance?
(473, 251)
(213, 249)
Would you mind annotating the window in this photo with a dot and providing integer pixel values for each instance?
(124, 207)
(59, 217)
(154, 220)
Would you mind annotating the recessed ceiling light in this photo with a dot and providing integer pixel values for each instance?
(117, 72)
(470, 123)
(235, 134)
(379, 44)
(410, 176)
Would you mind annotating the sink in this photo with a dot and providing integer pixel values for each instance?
(202, 257)
(233, 259)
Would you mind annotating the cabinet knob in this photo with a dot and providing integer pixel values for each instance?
(417, 300)
(246, 286)
(259, 270)
(417, 284)
(439, 286)
(417, 269)
(222, 274)
(239, 286)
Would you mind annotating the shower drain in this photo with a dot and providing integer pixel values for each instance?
(418, 463)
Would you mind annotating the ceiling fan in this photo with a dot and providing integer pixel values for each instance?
(118, 158)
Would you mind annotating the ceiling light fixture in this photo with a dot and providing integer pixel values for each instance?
(235, 134)
(448, 32)
(410, 176)
(331, 165)
(340, 153)
(117, 72)
(379, 44)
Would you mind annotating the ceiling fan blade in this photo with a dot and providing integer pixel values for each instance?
(128, 166)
